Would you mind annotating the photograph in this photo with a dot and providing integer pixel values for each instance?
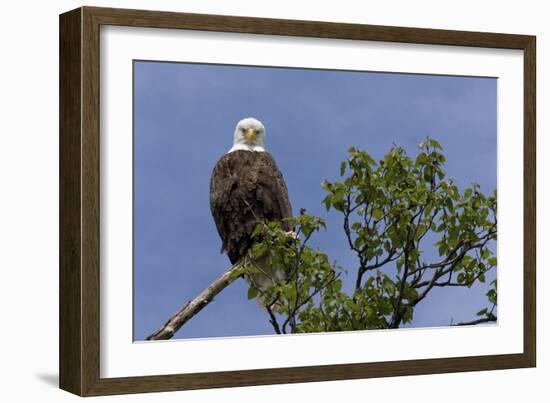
(284, 200)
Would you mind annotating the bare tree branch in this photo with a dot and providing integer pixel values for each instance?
(191, 308)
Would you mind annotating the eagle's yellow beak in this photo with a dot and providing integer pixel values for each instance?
(250, 135)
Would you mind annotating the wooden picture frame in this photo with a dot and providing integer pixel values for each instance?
(79, 346)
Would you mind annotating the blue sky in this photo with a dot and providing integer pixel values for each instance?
(184, 119)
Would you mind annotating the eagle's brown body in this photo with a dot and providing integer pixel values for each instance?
(246, 187)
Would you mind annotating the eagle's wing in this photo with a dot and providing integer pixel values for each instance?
(221, 183)
(273, 193)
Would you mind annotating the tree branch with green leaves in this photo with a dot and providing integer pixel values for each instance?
(394, 213)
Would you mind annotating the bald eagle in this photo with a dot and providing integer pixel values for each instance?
(246, 187)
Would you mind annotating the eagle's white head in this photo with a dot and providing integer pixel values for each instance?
(249, 136)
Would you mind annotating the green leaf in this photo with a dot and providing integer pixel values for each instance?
(377, 213)
(435, 144)
(290, 293)
(258, 249)
(252, 292)
(453, 235)
(449, 204)
(428, 174)
(421, 159)
(482, 312)
(358, 243)
(328, 202)
(343, 166)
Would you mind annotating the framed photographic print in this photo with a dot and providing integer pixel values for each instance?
(249, 201)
